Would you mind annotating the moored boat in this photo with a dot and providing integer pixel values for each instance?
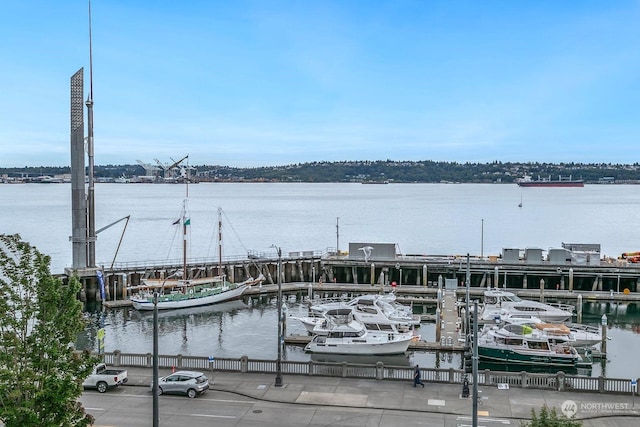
(553, 332)
(575, 334)
(503, 346)
(175, 293)
(342, 334)
(189, 293)
(498, 303)
(377, 304)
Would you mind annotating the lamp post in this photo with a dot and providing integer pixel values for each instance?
(278, 382)
(482, 239)
(154, 390)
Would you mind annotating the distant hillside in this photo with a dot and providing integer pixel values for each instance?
(373, 171)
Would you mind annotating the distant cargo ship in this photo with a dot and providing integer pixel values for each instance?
(527, 181)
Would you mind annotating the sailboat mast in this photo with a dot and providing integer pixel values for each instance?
(91, 226)
(184, 241)
(219, 242)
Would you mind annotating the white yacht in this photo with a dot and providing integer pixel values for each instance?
(381, 305)
(373, 322)
(499, 303)
(341, 333)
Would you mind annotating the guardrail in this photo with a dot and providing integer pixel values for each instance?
(558, 382)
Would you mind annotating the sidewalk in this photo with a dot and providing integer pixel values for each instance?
(512, 403)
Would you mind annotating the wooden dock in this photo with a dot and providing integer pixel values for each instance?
(449, 325)
(413, 295)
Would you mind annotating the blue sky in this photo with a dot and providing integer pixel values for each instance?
(258, 83)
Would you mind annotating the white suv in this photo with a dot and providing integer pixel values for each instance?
(183, 382)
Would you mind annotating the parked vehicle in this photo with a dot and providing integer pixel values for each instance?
(183, 382)
(102, 379)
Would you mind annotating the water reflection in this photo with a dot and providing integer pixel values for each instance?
(202, 313)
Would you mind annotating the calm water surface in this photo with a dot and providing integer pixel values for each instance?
(420, 218)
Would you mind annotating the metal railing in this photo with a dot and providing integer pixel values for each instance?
(559, 381)
(249, 257)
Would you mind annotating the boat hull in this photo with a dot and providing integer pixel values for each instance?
(323, 345)
(551, 184)
(189, 300)
(524, 357)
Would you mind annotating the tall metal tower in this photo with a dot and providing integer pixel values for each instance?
(78, 196)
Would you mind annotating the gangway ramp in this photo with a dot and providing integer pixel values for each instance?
(450, 320)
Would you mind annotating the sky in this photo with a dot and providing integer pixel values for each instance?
(263, 83)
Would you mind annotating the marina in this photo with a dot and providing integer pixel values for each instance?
(206, 330)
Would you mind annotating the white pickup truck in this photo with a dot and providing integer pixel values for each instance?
(103, 379)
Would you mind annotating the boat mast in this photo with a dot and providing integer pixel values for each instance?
(185, 222)
(220, 242)
(184, 240)
(91, 229)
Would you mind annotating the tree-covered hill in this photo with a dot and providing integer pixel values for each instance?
(425, 171)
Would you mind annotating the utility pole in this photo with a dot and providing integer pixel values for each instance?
(475, 364)
(482, 239)
(337, 235)
(278, 382)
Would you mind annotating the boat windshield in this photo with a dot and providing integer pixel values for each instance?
(538, 345)
(511, 298)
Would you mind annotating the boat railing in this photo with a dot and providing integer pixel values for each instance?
(330, 300)
(564, 307)
(378, 371)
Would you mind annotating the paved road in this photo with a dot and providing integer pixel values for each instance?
(251, 399)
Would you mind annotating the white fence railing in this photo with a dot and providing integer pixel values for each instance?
(379, 371)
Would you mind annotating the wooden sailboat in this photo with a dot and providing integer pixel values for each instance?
(183, 292)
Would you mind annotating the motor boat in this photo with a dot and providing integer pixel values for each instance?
(381, 305)
(372, 322)
(556, 333)
(576, 334)
(341, 333)
(498, 303)
(506, 345)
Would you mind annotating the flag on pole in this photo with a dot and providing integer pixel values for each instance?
(187, 221)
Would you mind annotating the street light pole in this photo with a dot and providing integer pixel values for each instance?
(278, 382)
(474, 358)
(154, 390)
(482, 239)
